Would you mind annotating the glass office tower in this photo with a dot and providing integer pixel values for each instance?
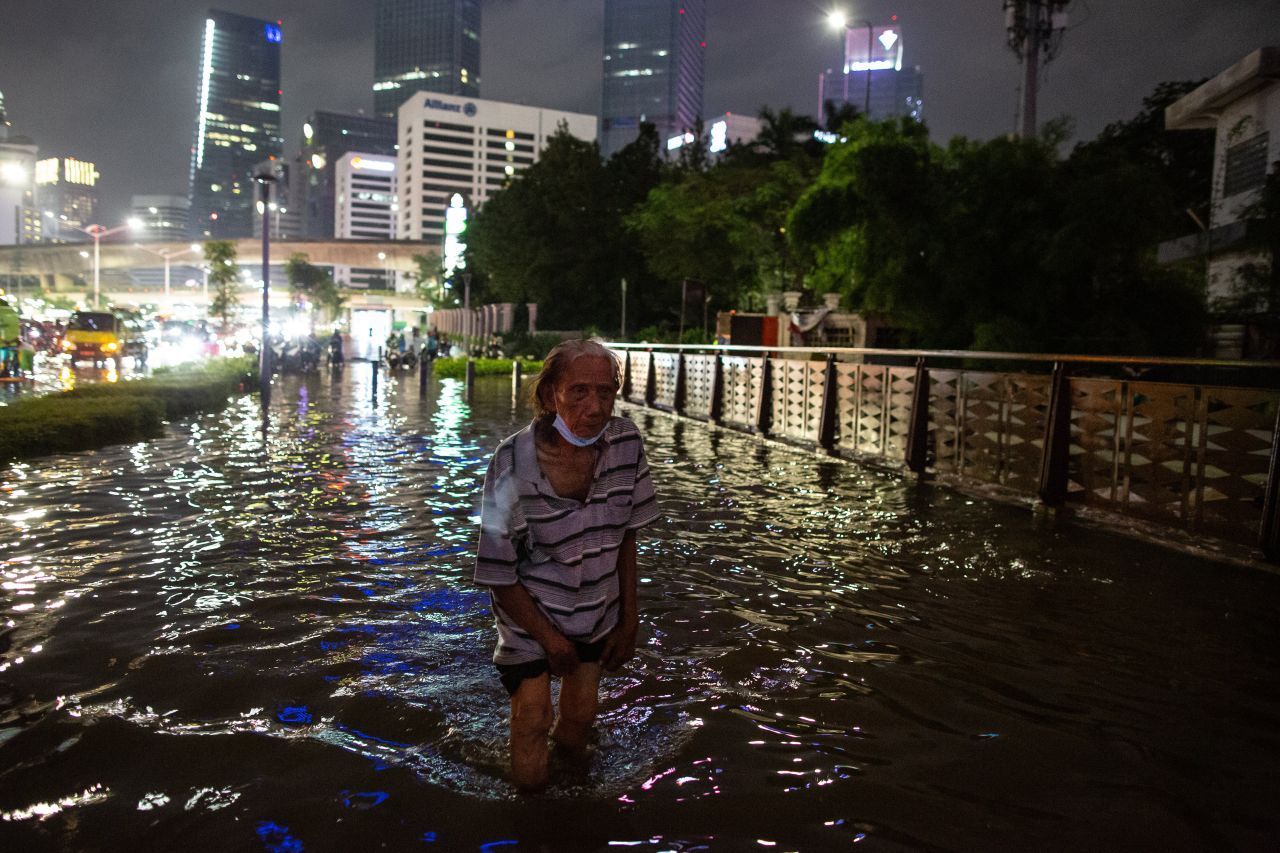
(237, 123)
(654, 56)
(425, 46)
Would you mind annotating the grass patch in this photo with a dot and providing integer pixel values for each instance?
(93, 416)
(456, 368)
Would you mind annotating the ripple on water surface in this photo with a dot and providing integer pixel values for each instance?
(219, 643)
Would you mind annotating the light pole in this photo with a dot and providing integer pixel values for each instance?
(265, 178)
(168, 254)
(97, 232)
(838, 21)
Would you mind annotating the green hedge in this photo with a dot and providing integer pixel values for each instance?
(456, 368)
(97, 415)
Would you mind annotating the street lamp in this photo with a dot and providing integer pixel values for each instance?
(97, 232)
(837, 20)
(168, 254)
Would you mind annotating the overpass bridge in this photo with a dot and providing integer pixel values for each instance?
(60, 265)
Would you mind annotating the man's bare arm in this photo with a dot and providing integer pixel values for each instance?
(620, 645)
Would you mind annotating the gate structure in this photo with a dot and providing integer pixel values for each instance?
(1198, 454)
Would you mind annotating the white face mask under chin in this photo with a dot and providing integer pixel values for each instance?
(567, 434)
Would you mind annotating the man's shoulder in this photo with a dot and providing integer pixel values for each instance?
(504, 454)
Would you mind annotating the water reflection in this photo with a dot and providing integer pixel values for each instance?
(265, 630)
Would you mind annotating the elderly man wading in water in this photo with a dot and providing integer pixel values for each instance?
(563, 499)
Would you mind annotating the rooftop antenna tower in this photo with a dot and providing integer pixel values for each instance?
(1035, 29)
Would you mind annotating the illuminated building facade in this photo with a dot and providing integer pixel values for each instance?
(20, 219)
(163, 217)
(365, 210)
(67, 194)
(654, 60)
(326, 138)
(452, 145)
(425, 46)
(719, 133)
(237, 121)
(873, 79)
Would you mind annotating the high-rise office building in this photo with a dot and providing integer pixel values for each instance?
(237, 122)
(365, 209)
(873, 79)
(326, 137)
(20, 219)
(67, 194)
(654, 57)
(454, 146)
(425, 46)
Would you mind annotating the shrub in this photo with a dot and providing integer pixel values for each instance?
(97, 415)
(456, 368)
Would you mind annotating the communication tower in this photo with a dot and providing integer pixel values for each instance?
(1036, 29)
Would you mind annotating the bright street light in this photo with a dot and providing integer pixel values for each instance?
(97, 232)
(837, 20)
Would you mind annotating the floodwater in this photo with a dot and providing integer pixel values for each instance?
(213, 645)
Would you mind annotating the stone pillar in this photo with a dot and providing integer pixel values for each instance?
(533, 317)
(772, 303)
(831, 301)
(791, 299)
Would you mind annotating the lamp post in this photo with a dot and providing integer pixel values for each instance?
(840, 22)
(168, 254)
(97, 232)
(265, 177)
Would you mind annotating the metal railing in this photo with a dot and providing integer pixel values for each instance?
(1190, 443)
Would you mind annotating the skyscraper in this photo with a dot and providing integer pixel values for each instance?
(873, 79)
(67, 189)
(654, 56)
(425, 46)
(237, 121)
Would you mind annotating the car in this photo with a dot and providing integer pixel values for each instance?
(98, 336)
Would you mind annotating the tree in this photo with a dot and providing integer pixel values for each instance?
(311, 288)
(220, 255)
(544, 237)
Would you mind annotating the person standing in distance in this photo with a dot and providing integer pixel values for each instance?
(563, 499)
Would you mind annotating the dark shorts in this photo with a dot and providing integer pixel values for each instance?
(514, 673)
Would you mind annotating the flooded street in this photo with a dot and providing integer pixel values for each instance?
(216, 643)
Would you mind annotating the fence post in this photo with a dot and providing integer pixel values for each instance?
(651, 381)
(1269, 533)
(626, 374)
(764, 399)
(425, 366)
(1056, 456)
(471, 376)
(827, 422)
(517, 376)
(373, 394)
(677, 404)
(717, 391)
(918, 431)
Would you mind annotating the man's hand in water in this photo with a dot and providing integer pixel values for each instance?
(562, 656)
(620, 645)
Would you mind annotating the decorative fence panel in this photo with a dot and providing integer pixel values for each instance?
(638, 365)
(666, 371)
(988, 426)
(699, 384)
(798, 388)
(1182, 455)
(741, 390)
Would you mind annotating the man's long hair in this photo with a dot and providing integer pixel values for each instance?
(542, 388)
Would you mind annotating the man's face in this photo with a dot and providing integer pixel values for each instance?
(584, 395)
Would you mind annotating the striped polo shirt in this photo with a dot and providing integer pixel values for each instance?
(564, 552)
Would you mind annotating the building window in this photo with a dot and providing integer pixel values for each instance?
(1246, 165)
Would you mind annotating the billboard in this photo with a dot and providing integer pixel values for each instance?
(873, 49)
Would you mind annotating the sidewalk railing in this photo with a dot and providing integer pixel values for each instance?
(1184, 443)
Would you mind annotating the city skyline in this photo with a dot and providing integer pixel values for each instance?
(67, 93)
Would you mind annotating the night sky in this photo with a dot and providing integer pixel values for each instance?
(115, 82)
